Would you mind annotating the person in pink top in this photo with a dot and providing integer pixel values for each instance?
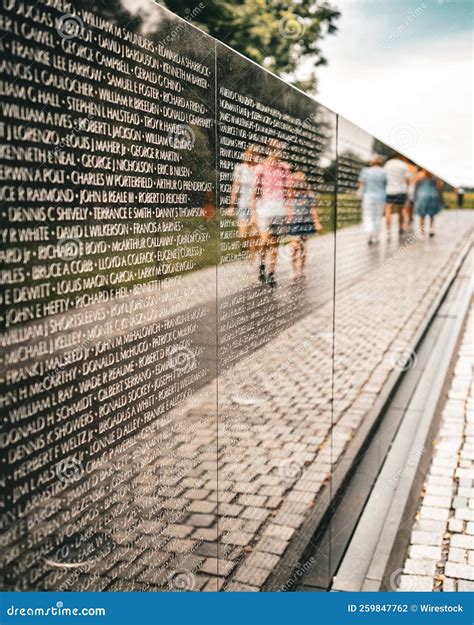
(270, 207)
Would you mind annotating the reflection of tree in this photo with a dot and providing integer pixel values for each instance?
(277, 35)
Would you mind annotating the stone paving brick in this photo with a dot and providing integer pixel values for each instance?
(457, 555)
(204, 507)
(252, 500)
(229, 509)
(205, 533)
(262, 560)
(201, 520)
(437, 502)
(424, 552)
(465, 586)
(463, 541)
(257, 514)
(438, 514)
(217, 566)
(179, 545)
(238, 587)
(426, 538)
(251, 575)
(177, 531)
(465, 514)
(455, 525)
(415, 583)
(420, 567)
(214, 584)
(272, 545)
(280, 532)
(461, 571)
(237, 538)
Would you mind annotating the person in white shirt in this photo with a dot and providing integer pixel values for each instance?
(398, 179)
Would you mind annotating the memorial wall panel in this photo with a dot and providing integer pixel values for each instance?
(108, 292)
(276, 191)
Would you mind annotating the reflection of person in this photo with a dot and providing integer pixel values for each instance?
(460, 197)
(373, 185)
(397, 188)
(270, 207)
(241, 197)
(304, 222)
(428, 200)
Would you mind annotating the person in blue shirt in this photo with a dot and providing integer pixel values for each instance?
(373, 190)
(428, 199)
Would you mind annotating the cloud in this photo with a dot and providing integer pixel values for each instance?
(411, 91)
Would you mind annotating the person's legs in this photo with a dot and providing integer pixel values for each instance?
(403, 218)
(262, 251)
(303, 244)
(432, 227)
(368, 217)
(376, 219)
(422, 225)
(272, 255)
(388, 218)
(294, 256)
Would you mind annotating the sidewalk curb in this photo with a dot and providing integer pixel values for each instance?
(380, 541)
(303, 542)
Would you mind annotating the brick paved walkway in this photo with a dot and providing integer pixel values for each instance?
(441, 553)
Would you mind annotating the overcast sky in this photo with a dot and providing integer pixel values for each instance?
(402, 70)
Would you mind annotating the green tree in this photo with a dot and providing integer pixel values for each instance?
(277, 35)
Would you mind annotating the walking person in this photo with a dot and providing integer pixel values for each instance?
(241, 198)
(270, 208)
(398, 178)
(428, 199)
(410, 205)
(460, 197)
(304, 222)
(373, 187)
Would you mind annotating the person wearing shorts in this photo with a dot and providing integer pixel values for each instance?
(271, 208)
(241, 198)
(304, 222)
(410, 205)
(373, 184)
(398, 178)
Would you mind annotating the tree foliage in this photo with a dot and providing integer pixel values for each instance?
(276, 34)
